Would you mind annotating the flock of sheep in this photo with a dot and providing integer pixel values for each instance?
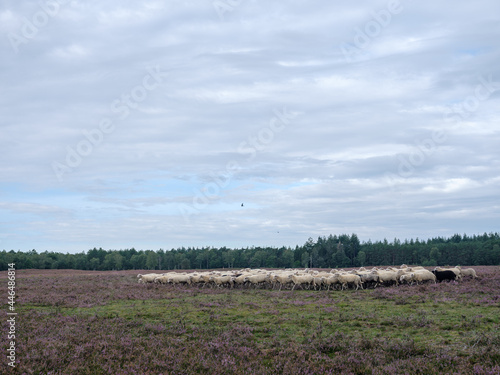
(306, 278)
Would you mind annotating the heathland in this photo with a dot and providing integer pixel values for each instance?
(102, 322)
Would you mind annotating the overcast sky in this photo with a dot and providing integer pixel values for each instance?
(148, 124)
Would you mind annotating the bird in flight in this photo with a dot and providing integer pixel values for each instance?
(242, 205)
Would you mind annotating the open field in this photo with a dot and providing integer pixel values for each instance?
(84, 322)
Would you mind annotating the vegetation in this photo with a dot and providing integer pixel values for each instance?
(97, 322)
(326, 252)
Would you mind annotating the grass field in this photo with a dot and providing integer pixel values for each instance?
(83, 322)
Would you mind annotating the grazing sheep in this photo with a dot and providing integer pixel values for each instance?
(406, 278)
(257, 279)
(469, 272)
(332, 280)
(346, 279)
(317, 282)
(240, 280)
(423, 276)
(369, 278)
(179, 279)
(148, 278)
(301, 280)
(387, 276)
(196, 279)
(444, 275)
(283, 279)
(455, 270)
(418, 268)
(161, 279)
(222, 280)
(308, 278)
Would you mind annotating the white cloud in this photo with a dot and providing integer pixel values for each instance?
(209, 127)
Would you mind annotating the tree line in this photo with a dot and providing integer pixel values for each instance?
(326, 252)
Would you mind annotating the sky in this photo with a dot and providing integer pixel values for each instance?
(239, 123)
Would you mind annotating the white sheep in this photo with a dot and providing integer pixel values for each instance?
(368, 278)
(346, 279)
(161, 279)
(423, 276)
(301, 280)
(317, 282)
(148, 278)
(240, 280)
(406, 278)
(332, 280)
(179, 279)
(468, 272)
(387, 276)
(257, 279)
(283, 279)
(222, 280)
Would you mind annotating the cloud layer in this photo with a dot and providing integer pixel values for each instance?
(146, 125)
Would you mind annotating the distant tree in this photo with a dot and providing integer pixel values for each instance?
(494, 255)
(113, 261)
(228, 257)
(287, 259)
(435, 256)
(305, 260)
(185, 264)
(151, 260)
(361, 258)
(94, 264)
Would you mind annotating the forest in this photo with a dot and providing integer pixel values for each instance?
(326, 252)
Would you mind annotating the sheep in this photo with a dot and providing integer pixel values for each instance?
(331, 280)
(406, 278)
(444, 275)
(455, 270)
(387, 276)
(350, 279)
(196, 278)
(283, 279)
(240, 280)
(369, 278)
(222, 280)
(423, 276)
(161, 279)
(317, 282)
(148, 278)
(306, 278)
(418, 268)
(257, 279)
(179, 279)
(301, 280)
(205, 278)
(469, 272)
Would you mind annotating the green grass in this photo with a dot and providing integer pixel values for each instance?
(299, 315)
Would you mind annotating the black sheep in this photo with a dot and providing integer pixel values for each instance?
(444, 275)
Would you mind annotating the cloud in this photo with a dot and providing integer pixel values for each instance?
(398, 139)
